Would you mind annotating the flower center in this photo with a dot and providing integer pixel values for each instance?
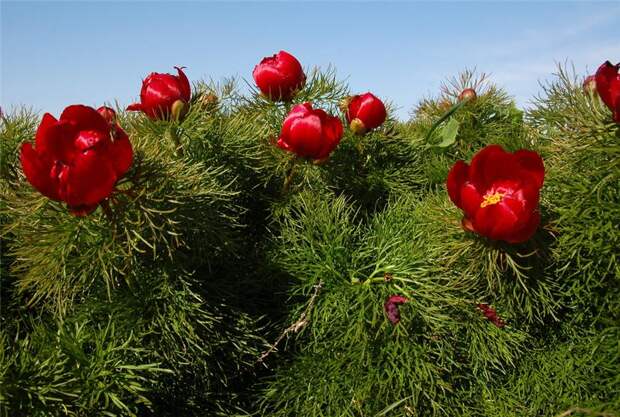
(491, 199)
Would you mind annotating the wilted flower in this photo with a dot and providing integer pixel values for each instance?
(491, 315)
(391, 307)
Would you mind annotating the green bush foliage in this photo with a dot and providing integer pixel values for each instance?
(229, 278)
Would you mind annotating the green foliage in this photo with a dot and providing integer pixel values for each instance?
(74, 369)
(162, 301)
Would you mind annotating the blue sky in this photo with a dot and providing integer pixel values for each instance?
(59, 53)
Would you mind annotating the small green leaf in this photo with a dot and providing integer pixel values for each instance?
(448, 133)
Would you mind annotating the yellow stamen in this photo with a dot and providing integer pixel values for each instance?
(489, 200)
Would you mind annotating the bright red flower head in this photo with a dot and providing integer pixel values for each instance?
(160, 92)
(499, 193)
(365, 112)
(279, 76)
(77, 158)
(608, 87)
(310, 133)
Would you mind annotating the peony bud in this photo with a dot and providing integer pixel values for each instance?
(310, 133)
(365, 112)
(589, 84)
(468, 94)
(160, 92)
(279, 76)
(209, 100)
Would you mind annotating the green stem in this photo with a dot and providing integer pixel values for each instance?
(174, 136)
(443, 118)
(289, 176)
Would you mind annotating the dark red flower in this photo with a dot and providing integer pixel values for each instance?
(467, 94)
(365, 112)
(159, 94)
(608, 87)
(279, 76)
(310, 133)
(77, 158)
(491, 315)
(391, 307)
(499, 193)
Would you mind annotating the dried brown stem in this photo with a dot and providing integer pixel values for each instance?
(295, 327)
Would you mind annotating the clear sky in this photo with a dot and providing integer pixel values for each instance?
(60, 53)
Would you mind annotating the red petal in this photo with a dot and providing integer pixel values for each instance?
(90, 180)
(490, 164)
(135, 107)
(608, 84)
(332, 133)
(371, 111)
(470, 199)
(527, 231)
(353, 108)
(459, 173)
(41, 136)
(184, 86)
(121, 152)
(306, 136)
(84, 118)
(108, 114)
(37, 172)
(496, 221)
(55, 139)
(532, 166)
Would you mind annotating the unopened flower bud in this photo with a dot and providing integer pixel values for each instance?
(468, 94)
(589, 84)
(209, 100)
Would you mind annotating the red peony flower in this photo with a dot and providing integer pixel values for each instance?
(391, 307)
(499, 193)
(608, 87)
(365, 112)
(279, 76)
(310, 133)
(77, 158)
(163, 95)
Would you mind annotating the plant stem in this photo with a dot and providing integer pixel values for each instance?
(289, 176)
(174, 136)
